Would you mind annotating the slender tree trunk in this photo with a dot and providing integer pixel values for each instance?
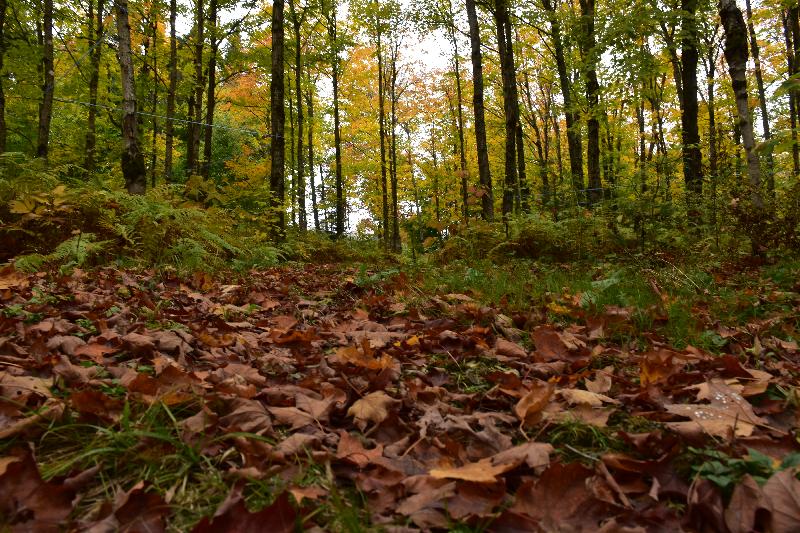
(592, 96)
(278, 120)
(736, 56)
(460, 108)
(793, 16)
(713, 163)
(48, 82)
(487, 200)
(538, 143)
(297, 22)
(325, 224)
(133, 169)
(193, 150)
(762, 98)
(312, 186)
(154, 98)
(337, 139)
(396, 245)
(692, 158)
(169, 127)
(509, 85)
(211, 98)
(96, 47)
(382, 134)
(292, 168)
(3, 129)
(790, 64)
(570, 115)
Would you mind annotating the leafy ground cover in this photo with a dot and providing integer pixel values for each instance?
(531, 397)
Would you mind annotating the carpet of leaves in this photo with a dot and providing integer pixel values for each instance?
(436, 410)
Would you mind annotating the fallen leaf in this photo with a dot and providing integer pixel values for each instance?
(531, 405)
(371, 408)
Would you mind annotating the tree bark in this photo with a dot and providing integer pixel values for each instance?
(133, 169)
(382, 134)
(396, 245)
(211, 99)
(337, 138)
(509, 88)
(96, 47)
(297, 22)
(593, 99)
(3, 129)
(278, 121)
(459, 106)
(570, 115)
(169, 128)
(484, 176)
(762, 98)
(692, 157)
(312, 186)
(154, 99)
(790, 70)
(736, 56)
(193, 148)
(48, 82)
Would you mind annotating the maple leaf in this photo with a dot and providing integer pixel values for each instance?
(371, 408)
(726, 411)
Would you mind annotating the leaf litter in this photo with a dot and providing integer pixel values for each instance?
(298, 390)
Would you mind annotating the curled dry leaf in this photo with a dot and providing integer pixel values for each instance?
(585, 397)
(529, 408)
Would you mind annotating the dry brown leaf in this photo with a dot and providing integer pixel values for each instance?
(726, 411)
(484, 471)
(602, 381)
(531, 405)
(782, 490)
(374, 407)
(585, 397)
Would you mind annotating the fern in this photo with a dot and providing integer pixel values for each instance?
(76, 251)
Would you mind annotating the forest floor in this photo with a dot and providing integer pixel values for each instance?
(469, 397)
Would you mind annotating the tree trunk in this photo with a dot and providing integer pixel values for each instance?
(337, 139)
(509, 86)
(169, 131)
(297, 21)
(3, 131)
(736, 56)
(692, 158)
(278, 120)
(459, 106)
(154, 98)
(593, 98)
(95, 54)
(487, 201)
(292, 169)
(312, 186)
(48, 81)
(396, 245)
(211, 99)
(133, 168)
(790, 64)
(762, 98)
(713, 163)
(570, 115)
(193, 148)
(382, 134)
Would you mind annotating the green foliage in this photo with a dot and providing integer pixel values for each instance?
(87, 224)
(726, 471)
